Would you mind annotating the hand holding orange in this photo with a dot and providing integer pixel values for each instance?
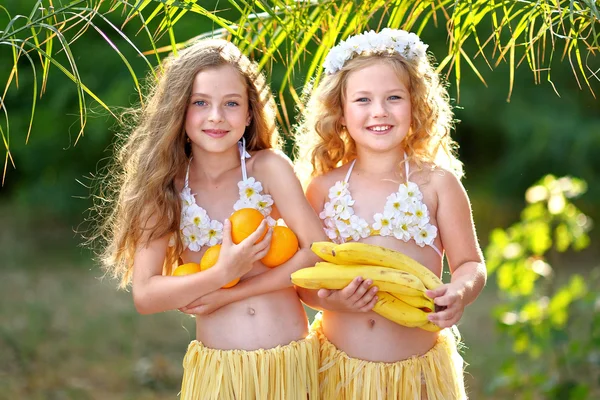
(244, 222)
(209, 259)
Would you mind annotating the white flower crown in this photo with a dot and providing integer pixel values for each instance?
(388, 40)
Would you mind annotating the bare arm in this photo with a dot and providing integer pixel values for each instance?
(153, 292)
(287, 194)
(315, 194)
(457, 231)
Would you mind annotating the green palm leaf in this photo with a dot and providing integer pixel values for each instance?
(296, 35)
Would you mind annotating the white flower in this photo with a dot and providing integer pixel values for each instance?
(425, 235)
(421, 214)
(396, 204)
(360, 227)
(331, 233)
(344, 230)
(193, 237)
(263, 204)
(383, 223)
(187, 197)
(328, 211)
(196, 216)
(401, 229)
(410, 191)
(343, 207)
(250, 189)
(243, 203)
(338, 190)
(388, 40)
(214, 234)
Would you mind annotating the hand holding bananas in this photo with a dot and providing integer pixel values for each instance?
(402, 281)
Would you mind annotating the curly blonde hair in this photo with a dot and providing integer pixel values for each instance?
(324, 144)
(138, 200)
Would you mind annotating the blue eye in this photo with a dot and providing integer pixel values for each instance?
(395, 98)
(199, 103)
(232, 104)
(362, 100)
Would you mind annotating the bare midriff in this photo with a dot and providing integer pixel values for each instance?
(260, 322)
(369, 336)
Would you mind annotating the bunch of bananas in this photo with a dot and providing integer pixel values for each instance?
(401, 280)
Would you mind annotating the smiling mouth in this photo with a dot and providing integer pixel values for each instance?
(379, 128)
(215, 132)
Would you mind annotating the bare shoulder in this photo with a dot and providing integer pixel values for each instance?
(318, 187)
(446, 183)
(270, 160)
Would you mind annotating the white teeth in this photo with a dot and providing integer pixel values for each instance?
(380, 128)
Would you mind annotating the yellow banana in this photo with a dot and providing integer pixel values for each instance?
(399, 312)
(362, 253)
(331, 276)
(431, 327)
(324, 250)
(416, 301)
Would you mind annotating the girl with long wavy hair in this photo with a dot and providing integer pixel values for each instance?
(376, 139)
(204, 144)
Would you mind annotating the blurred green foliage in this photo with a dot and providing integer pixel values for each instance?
(506, 146)
(549, 328)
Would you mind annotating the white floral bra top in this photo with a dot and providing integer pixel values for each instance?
(405, 216)
(196, 227)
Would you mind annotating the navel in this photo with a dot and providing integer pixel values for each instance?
(251, 311)
(371, 323)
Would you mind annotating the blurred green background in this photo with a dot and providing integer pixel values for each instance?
(66, 333)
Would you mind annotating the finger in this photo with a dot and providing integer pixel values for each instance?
(366, 298)
(351, 287)
(369, 306)
(361, 290)
(256, 235)
(265, 244)
(433, 293)
(324, 293)
(446, 323)
(261, 254)
(227, 233)
(446, 300)
(442, 316)
(190, 311)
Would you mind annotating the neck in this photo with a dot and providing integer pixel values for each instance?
(378, 163)
(210, 167)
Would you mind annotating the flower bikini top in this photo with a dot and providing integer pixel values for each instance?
(197, 229)
(404, 217)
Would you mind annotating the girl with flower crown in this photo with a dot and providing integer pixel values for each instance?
(205, 144)
(376, 136)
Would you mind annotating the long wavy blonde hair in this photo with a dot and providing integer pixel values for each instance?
(323, 144)
(138, 200)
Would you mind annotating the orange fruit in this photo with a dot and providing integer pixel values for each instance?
(244, 222)
(209, 259)
(284, 244)
(186, 269)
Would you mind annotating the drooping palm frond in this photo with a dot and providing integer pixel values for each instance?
(295, 36)
(531, 31)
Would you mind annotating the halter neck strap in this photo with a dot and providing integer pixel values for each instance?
(350, 171)
(243, 155)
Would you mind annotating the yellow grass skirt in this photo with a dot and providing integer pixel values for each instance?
(436, 375)
(284, 372)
